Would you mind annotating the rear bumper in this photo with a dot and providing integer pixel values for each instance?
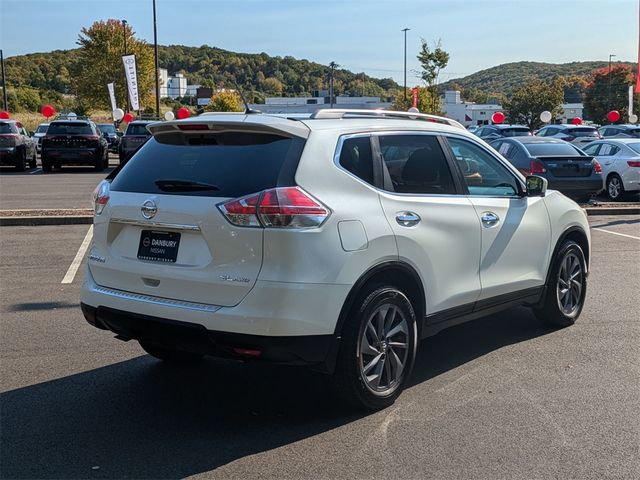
(577, 186)
(311, 350)
(77, 156)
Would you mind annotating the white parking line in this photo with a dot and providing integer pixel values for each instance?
(35, 171)
(616, 233)
(73, 268)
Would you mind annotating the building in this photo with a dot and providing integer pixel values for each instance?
(311, 104)
(175, 86)
(571, 111)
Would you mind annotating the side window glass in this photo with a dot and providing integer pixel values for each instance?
(591, 149)
(416, 164)
(483, 174)
(542, 132)
(356, 157)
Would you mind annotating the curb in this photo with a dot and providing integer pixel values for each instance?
(612, 210)
(50, 220)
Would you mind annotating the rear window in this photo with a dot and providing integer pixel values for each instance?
(634, 146)
(515, 132)
(137, 129)
(542, 149)
(582, 132)
(107, 128)
(237, 163)
(70, 128)
(8, 128)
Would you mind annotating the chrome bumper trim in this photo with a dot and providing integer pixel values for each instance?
(165, 302)
(172, 226)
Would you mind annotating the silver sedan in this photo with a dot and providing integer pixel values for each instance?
(620, 160)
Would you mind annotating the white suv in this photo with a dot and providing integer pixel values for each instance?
(336, 241)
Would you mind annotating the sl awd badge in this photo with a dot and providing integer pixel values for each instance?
(149, 209)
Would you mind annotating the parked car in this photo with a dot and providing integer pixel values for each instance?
(566, 167)
(579, 135)
(336, 241)
(111, 134)
(17, 148)
(74, 141)
(134, 137)
(473, 128)
(620, 159)
(491, 132)
(620, 131)
(38, 135)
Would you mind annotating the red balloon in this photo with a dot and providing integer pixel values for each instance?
(613, 116)
(576, 121)
(4, 115)
(183, 112)
(128, 117)
(497, 117)
(48, 111)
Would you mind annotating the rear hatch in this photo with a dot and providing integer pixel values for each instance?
(135, 136)
(8, 134)
(162, 233)
(70, 135)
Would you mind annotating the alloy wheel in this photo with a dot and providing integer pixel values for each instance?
(384, 349)
(569, 285)
(614, 187)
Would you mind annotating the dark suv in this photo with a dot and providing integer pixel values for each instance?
(111, 134)
(134, 137)
(620, 131)
(491, 132)
(17, 148)
(74, 141)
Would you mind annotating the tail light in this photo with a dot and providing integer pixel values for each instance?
(536, 167)
(284, 207)
(597, 168)
(100, 197)
(633, 163)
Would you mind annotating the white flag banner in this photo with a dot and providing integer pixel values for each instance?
(112, 96)
(630, 100)
(132, 80)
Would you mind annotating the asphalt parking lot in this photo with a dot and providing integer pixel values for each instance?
(500, 397)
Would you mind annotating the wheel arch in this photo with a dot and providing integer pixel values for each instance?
(578, 235)
(399, 274)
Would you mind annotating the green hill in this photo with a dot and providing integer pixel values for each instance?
(257, 74)
(504, 79)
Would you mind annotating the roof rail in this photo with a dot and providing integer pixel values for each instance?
(342, 113)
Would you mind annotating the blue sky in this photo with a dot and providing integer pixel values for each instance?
(357, 34)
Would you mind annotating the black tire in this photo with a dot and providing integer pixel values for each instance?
(21, 160)
(99, 164)
(168, 354)
(582, 199)
(553, 311)
(106, 159)
(350, 380)
(615, 187)
(33, 163)
(46, 164)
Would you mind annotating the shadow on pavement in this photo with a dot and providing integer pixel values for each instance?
(616, 222)
(27, 307)
(143, 419)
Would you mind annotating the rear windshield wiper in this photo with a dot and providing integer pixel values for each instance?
(183, 186)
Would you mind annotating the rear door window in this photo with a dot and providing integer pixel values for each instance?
(415, 164)
(230, 164)
(8, 128)
(356, 157)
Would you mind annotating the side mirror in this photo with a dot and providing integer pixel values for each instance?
(536, 186)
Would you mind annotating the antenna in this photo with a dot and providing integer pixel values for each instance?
(248, 110)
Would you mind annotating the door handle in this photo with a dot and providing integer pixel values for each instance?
(407, 219)
(489, 219)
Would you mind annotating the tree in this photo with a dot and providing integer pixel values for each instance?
(432, 62)
(596, 94)
(533, 98)
(225, 101)
(424, 104)
(100, 62)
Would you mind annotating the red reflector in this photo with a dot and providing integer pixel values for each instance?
(193, 126)
(247, 352)
(633, 163)
(597, 168)
(536, 167)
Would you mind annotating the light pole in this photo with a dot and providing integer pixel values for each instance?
(155, 53)
(333, 66)
(609, 96)
(4, 84)
(126, 88)
(405, 62)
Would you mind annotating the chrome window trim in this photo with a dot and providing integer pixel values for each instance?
(142, 223)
